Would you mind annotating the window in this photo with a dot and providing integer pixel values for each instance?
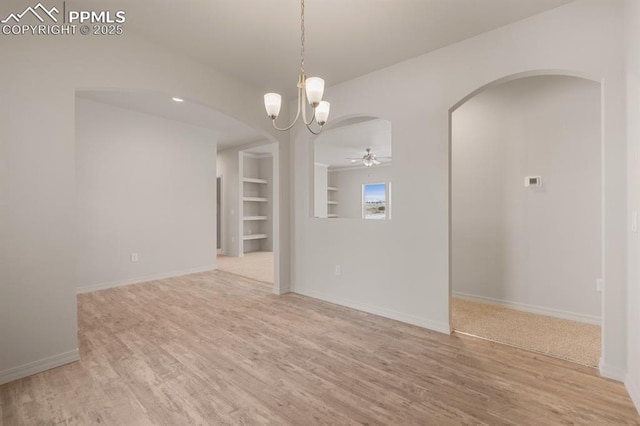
(376, 201)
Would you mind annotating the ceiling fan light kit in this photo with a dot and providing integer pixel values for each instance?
(310, 90)
(368, 160)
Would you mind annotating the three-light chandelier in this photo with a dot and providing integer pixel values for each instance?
(309, 90)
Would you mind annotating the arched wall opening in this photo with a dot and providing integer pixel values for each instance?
(336, 185)
(533, 248)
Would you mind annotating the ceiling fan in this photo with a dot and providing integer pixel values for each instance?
(369, 159)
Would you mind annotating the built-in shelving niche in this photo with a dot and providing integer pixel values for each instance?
(257, 207)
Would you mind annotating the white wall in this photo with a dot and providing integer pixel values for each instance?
(349, 183)
(400, 268)
(632, 43)
(145, 185)
(228, 169)
(266, 172)
(38, 249)
(478, 160)
(534, 248)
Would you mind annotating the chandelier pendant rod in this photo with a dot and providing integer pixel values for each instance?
(295, 120)
(302, 76)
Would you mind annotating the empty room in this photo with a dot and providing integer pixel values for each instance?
(305, 212)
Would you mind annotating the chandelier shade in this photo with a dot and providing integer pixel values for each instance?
(272, 103)
(322, 112)
(315, 90)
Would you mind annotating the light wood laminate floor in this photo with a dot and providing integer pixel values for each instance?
(217, 349)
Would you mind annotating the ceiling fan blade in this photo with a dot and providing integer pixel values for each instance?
(376, 162)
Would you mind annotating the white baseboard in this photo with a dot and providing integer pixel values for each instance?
(281, 291)
(376, 310)
(633, 387)
(613, 373)
(138, 280)
(35, 367)
(534, 309)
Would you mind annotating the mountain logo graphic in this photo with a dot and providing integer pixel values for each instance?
(38, 11)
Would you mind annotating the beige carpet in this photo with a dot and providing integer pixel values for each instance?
(570, 340)
(257, 265)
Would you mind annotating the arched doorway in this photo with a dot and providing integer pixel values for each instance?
(525, 157)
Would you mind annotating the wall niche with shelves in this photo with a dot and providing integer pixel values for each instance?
(256, 209)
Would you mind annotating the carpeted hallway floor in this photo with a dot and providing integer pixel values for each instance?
(257, 265)
(570, 340)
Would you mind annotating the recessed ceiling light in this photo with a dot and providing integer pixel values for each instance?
(178, 99)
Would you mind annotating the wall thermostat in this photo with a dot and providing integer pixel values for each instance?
(533, 181)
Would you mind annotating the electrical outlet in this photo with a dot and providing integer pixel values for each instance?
(338, 270)
(634, 221)
(134, 257)
(599, 284)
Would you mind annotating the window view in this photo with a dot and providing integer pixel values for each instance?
(375, 201)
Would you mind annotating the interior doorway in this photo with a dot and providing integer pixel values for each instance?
(526, 216)
(253, 251)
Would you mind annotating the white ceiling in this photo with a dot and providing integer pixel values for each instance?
(229, 130)
(258, 40)
(335, 146)
(264, 149)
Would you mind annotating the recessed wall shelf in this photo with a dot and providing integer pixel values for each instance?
(332, 202)
(255, 218)
(254, 180)
(255, 230)
(254, 237)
